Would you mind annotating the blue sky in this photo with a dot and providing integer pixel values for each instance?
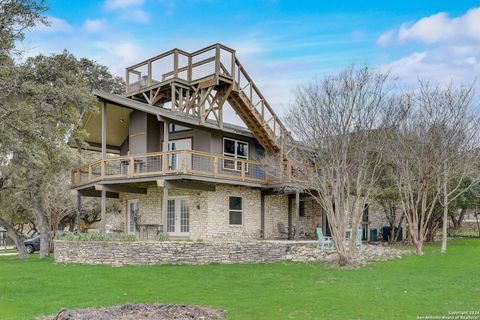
(281, 43)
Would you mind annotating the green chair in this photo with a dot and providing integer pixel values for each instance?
(324, 243)
(359, 242)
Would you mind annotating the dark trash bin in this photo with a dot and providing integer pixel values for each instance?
(373, 235)
(386, 233)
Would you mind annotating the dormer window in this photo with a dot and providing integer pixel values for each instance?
(235, 149)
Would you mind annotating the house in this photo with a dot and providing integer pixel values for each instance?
(179, 168)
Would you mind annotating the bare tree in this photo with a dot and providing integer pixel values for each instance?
(430, 148)
(339, 123)
(59, 203)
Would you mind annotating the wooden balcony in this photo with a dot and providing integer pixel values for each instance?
(179, 162)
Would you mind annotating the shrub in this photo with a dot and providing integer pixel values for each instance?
(96, 237)
(162, 237)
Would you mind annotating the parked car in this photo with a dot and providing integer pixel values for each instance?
(32, 244)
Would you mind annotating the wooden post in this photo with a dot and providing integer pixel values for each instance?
(127, 81)
(185, 161)
(173, 97)
(165, 146)
(175, 64)
(238, 77)
(164, 206)
(104, 155)
(103, 211)
(189, 72)
(104, 130)
(262, 215)
(233, 67)
(149, 73)
(242, 168)
(215, 166)
(217, 62)
(290, 229)
(297, 205)
(131, 166)
(263, 111)
(79, 196)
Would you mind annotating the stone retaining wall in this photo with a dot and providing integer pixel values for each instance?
(174, 252)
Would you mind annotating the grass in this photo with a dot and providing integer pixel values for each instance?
(399, 289)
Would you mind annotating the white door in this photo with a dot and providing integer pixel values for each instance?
(178, 216)
(132, 214)
(175, 161)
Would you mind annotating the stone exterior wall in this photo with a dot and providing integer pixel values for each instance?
(173, 252)
(276, 211)
(312, 219)
(209, 214)
(377, 219)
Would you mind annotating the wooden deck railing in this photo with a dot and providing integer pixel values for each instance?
(215, 60)
(184, 162)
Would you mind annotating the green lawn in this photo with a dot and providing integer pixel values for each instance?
(401, 289)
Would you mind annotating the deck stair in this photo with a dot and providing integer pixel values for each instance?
(199, 84)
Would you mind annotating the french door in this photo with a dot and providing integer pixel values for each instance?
(176, 161)
(132, 214)
(178, 216)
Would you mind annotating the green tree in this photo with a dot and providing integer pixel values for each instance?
(15, 17)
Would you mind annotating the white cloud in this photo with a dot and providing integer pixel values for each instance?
(54, 25)
(450, 51)
(137, 15)
(121, 4)
(439, 65)
(94, 25)
(436, 28)
(386, 38)
(119, 55)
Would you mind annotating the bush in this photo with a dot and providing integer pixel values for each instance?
(96, 237)
(162, 237)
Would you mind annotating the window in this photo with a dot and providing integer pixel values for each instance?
(236, 149)
(235, 210)
(365, 213)
(172, 127)
(301, 209)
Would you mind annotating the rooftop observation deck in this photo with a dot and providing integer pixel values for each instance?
(199, 83)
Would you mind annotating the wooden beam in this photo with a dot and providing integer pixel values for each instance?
(290, 229)
(97, 194)
(165, 135)
(79, 196)
(297, 205)
(262, 216)
(103, 208)
(104, 130)
(164, 208)
(120, 189)
(193, 185)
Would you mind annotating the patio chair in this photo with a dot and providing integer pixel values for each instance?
(281, 229)
(359, 242)
(324, 243)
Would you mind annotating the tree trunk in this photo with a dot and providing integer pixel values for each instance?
(43, 226)
(457, 224)
(445, 218)
(419, 248)
(16, 238)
